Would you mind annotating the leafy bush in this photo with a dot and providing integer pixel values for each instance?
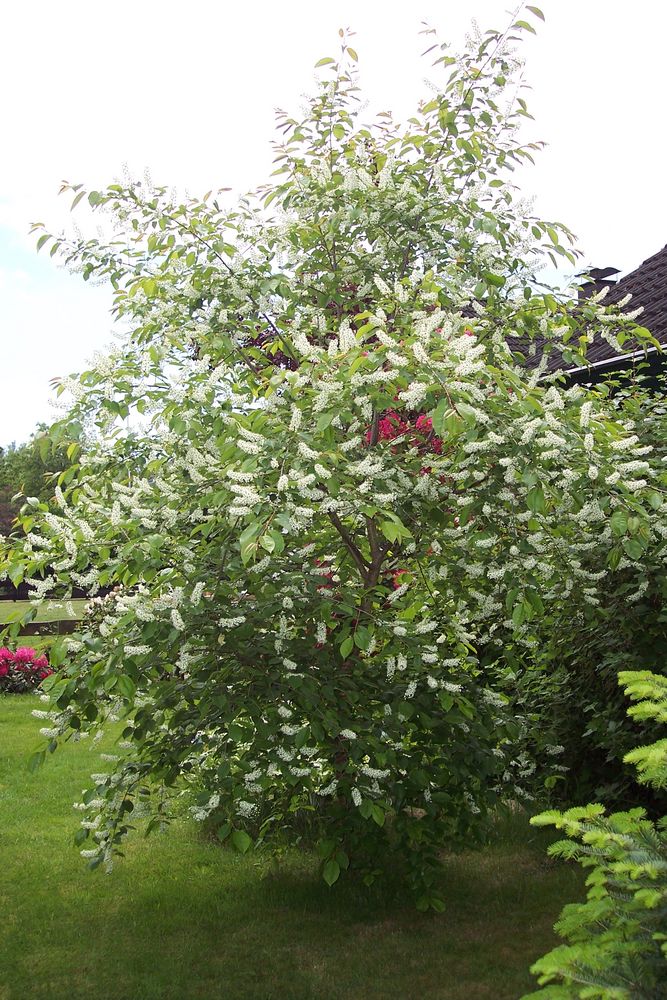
(617, 939)
(22, 670)
(568, 683)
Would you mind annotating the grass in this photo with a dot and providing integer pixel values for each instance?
(49, 612)
(181, 918)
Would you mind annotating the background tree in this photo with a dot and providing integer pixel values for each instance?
(27, 470)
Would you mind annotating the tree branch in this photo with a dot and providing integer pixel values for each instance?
(350, 545)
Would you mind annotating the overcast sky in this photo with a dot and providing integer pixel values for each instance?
(187, 91)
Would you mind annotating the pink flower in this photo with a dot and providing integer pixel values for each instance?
(24, 654)
(41, 661)
(4, 669)
(6, 654)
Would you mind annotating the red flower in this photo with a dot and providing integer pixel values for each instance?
(424, 424)
(389, 427)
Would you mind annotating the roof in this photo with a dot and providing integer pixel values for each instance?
(647, 285)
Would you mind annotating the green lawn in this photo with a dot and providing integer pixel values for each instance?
(11, 610)
(184, 919)
(56, 611)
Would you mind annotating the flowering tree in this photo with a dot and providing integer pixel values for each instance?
(351, 474)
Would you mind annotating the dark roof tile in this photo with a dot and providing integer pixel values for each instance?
(648, 287)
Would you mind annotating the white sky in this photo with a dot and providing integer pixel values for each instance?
(188, 90)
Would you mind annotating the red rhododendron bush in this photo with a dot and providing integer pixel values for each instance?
(325, 468)
(22, 670)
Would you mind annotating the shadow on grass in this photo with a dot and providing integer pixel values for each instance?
(182, 918)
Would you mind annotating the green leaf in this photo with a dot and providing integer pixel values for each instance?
(324, 420)
(535, 601)
(362, 638)
(619, 522)
(614, 557)
(496, 280)
(241, 841)
(535, 500)
(346, 646)
(510, 598)
(326, 847)
(390, 530)
(394, 529)
(655, 499)
(57, 688)
(126, 687)
(633, 548)
(331, 871)
(447, 422)
(278, 540)
(267, 543)
(377, 814)
(324, 62)
(342, 859)
(36, 760)
(301, 738)
(536, 11)
(248, 541)
(352, 54)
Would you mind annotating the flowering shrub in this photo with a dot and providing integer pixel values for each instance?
(344, 488)
(22, 670)
(568, 681)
